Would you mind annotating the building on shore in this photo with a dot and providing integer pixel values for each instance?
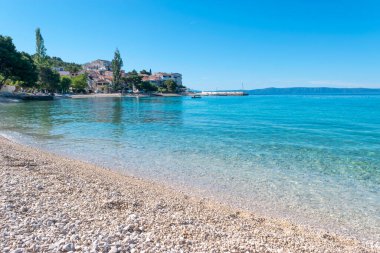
(160, 77)
(100, 76)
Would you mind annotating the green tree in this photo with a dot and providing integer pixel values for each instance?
(147, 86)
(117, 63)
(162, 89)
(133, 72)
(132, 80)
(73, 68)
(79, 83)
(58, 62)
(144, 72)
(40, 48)
(48, 79)
(171, 85)
(8, 57)
(15, 66)
(27, 71)
(65, 84)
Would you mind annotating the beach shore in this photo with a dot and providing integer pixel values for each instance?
(53, 204)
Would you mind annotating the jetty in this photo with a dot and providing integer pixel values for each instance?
(223, 93)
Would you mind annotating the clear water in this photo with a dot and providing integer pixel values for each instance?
(310, 159)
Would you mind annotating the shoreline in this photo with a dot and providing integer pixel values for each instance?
(66, 204)
(116, 95)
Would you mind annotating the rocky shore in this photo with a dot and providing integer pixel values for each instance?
(53, 204)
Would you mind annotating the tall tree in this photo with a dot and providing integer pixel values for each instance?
(40, 48)
(49, 79)
(117, 63)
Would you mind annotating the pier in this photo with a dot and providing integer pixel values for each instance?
(223, 93)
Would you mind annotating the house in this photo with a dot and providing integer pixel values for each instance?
(64, 73)
(99, 81)
(160, 77)
(58, 69)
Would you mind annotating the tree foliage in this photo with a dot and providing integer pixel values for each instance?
(170, 85)
(79, 83)
(27, 71)
(40, 48)
(147, 86)
(144, 72)
(15, 66)
(65, 84)
(117, 63)
(48, 79)
(132, 80)
(58, 62)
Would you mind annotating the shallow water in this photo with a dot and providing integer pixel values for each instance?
(311, 159)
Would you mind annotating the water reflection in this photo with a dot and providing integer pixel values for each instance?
(117, 117)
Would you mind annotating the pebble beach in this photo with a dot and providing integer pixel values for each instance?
(53, 204)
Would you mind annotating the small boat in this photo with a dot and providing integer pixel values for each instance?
(196, 96)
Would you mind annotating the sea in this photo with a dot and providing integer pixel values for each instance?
(312, 160)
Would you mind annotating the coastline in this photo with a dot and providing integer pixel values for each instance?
(53, 203)
(116, 95)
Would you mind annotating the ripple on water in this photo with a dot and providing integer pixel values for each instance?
(305, 158)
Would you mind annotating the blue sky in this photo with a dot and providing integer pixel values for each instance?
(214, 44)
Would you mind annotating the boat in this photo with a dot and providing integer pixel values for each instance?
(196, 96)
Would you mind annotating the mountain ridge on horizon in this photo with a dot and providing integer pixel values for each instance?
(311, 91)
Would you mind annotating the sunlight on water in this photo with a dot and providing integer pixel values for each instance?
(313, 159)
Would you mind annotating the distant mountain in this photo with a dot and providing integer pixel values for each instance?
(314, 91)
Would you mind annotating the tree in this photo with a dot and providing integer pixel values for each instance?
(73, 68)
(171, 85)
(117, 63)
(132, 80)
(48, 79)
(147, 86)
(15, 66)
(8, 56)
(65, 84)
(144, 72)
(27, 71)
(79, 83)
(58, 62)
(162, 89)
(133, 72)
(40, 48)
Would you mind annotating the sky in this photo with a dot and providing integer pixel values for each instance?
(213, 44)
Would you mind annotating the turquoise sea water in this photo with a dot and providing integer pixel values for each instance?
(310, 159)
